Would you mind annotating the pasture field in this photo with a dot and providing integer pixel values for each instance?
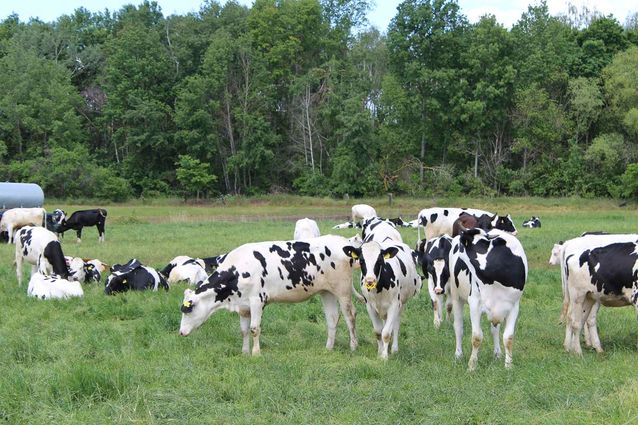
(119, 359)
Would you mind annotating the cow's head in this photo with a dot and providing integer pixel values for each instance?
(435, 262)
(505, 224)
(371, 258)
(116, 283)
(91, 273)
(194, 311)
(554, 258)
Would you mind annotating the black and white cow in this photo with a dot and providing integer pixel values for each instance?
(184, 268)
(54, 221)
(440, 221)
(388, 280)
(375, 228)
(133, 276)
(532, 223)
(597, 270)
(256, 274)
(306, 228)
(434, 258)
(489, 271)
(85, 218)
(84, 271)
(40, 248)
(52, 287)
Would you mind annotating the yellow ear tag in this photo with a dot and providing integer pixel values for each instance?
(354, 255)
(370, 286)
(124, 281)
(187, 304)
(386, 256)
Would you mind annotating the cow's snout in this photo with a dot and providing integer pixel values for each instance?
(438, 290)
(370, 282)
(183, 333)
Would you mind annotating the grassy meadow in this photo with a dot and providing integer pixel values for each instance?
(119, 359)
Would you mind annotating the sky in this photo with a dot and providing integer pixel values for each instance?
(507, 12)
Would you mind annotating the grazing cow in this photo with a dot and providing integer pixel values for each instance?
(16, 218)
(388, 280)
(440, 221)
(185, 268)
(489, 271)
(50, 287)
(85, 218)
(596, 270)
(54, 221)
(256, 274)
(532, 223)
(306, 228)
(434, 258)
(134, 276)
(362, 211)
(40, 248)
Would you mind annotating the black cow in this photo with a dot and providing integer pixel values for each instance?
(133, 276)
(84, 218)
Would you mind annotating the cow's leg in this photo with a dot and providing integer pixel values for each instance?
(495, 329)
(349, 314)
(593, 328)
(448, 306)
(79, 233)
(100, 231)
(508, 333)
(457, 310)
(256, 310)
(438, 301)
(377, 324)
(576, 306)
(19, 260)
(396, 328)
(477, 333)
(244, 323)
(10, 232)
(331, 311)
(388, 327)
(587, 307)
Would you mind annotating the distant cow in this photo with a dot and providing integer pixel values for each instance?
(85, 218)
(133, 276)
(388, 280)
(17, 218)
(489, 271)
(183, 268)
(362, 211)
(306, 228)
(51, 287)
(256, 274)
(532, 223)
(440, 221)
(434, 259)
(40, 248)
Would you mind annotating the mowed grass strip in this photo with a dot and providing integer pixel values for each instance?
(119, 359)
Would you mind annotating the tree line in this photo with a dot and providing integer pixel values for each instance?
(303, 96)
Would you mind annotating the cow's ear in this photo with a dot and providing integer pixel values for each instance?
(187, 306)
(389, 252)
(351, 252)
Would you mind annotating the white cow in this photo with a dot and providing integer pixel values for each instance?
(49, 287)
(257, 274)
(16, 218)
(306, 228)
(40, 248)
(489, 271)
(184, 268)
(362, 211)
(388, 280)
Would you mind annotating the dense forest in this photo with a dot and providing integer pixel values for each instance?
(304, 96)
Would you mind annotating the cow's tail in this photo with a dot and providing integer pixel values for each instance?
(563, 277)
(44, 218)
(357, 294)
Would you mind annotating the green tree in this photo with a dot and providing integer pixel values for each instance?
(194, 176)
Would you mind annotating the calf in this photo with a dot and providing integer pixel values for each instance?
(17, 218)
(85, 218)
(185, 268)
(388, 280)
(50, 287)
(40, 248)
(83, 270)
(532, 223)
(440, 221)
(598, 270)
(306, 228)
(362, 211)
(133, 276)
(434, 258)
(54, 221)
(256, 274)
(489, 271)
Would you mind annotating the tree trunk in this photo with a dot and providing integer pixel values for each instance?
(476, 159)
(422, 156)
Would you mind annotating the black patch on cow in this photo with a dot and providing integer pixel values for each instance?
(245, 275)
(459, 267)
(281, 252)
(262, 261)
(433, 217)
(323, 257)
(328, 252)
(611, 267)
(297, 265)
(223, 283)
(53, 253)
(332, 264)
(281, 275)
(166, 271)
(404, 270)
(446, 213)
(211, 263)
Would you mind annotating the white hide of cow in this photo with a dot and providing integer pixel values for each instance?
(379, 230)
(581, 298)
(499, 297)
(362, 211)
(439, 221)
(255, 274)
(17, 218)
(306, 228)
(50, 287)
(184, 268)
(31, 246)
(388, 280)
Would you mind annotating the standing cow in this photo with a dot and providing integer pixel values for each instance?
(40, 248)
(434, 258)
(85, 218)
(256, 274)
(440, 221)
(489, 271)
(17, 218)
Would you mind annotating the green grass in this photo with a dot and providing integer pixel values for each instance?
(119, 359)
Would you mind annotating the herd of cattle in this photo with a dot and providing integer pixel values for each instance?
(468, 256)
